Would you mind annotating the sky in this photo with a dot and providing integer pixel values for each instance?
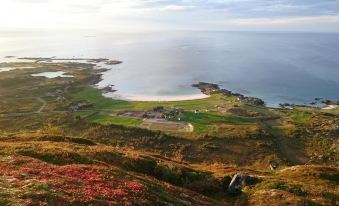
(152, 15)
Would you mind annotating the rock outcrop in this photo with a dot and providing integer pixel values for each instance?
(239, 181)
(210, 88)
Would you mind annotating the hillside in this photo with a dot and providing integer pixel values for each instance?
(63, 143)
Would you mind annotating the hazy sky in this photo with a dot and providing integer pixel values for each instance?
(140, 15)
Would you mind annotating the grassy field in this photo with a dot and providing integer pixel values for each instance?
(116, 120)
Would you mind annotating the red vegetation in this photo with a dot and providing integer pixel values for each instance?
(72, 184)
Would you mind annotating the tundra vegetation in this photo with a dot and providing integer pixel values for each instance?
(63, 143)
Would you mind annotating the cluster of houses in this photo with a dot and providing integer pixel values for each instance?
(159, 112)
(59, 93)
(75, 106)
(171, 114)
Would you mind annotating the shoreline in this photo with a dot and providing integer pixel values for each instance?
(154, 98)
(329, 107)
(207, 89)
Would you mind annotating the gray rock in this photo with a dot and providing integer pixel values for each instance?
(239, 181)
(273, 165)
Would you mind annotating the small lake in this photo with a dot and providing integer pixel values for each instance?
(52, 75)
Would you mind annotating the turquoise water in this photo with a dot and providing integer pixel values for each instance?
(277, 67)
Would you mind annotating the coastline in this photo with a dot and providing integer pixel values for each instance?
(102, 65)
(153, 98)
(329, 107)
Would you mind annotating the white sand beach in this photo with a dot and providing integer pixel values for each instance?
(330, 107)
(150, 98)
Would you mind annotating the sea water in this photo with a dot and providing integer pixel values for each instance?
(277, 67)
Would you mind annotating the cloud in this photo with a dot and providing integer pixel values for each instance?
(286, 20)
(135, 8)
(172, 8)
(153, 14)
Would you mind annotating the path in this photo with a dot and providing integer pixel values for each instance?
(291, 151)
(44, 103)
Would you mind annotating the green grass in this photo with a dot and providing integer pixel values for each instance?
(299, 116)
(84, 114)
(116, 120)
(95, 97)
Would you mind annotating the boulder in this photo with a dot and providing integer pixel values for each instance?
(273, 165)
(239, 181)
(330, 102)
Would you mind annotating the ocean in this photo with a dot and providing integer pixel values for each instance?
(277, 67)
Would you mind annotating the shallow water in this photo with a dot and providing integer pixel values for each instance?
(277, 67)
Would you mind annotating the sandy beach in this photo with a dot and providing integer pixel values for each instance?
(150, 98)
(330, 107)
